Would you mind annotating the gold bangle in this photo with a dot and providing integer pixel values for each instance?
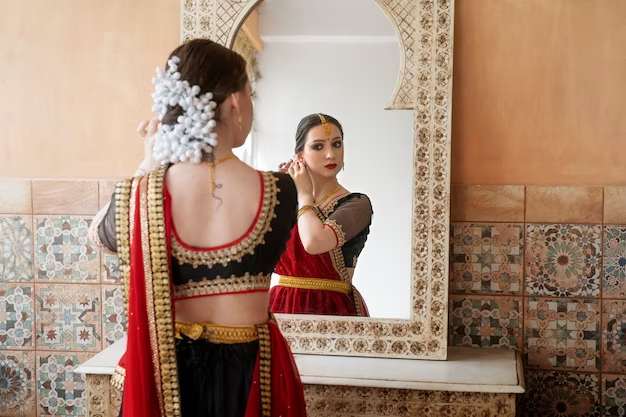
(304, 209)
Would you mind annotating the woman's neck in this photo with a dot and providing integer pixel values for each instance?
(221, 152)
(323, 185)
(224, 142)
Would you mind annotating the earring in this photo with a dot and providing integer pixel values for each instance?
(240, 124)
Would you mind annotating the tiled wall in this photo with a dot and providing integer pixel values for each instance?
(60, 299)
(538, 269)
(543, 270)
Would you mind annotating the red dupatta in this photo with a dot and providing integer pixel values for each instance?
(148, 369)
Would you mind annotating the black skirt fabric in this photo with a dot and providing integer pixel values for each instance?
(214, 378)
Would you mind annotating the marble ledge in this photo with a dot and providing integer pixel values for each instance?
(466, 370)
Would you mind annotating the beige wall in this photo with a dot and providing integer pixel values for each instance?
(75, 82)
(538, 103)
(538, 92)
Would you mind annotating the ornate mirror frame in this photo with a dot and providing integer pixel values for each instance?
(425, 32)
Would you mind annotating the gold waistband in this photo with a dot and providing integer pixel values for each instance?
(315, 284)
(215, 333)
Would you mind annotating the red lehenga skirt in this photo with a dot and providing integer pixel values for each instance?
(169, 371)
(314, 284)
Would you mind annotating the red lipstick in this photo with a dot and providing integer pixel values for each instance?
(331, 166)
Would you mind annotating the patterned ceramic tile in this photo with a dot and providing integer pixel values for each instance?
(561, 394)
(110, 269)
(64, 251)
(486, 258)
(563, 260)
(563, 334)
(17, 318)
(614, 337)
(17, 384)
(61, 391)
(113, 314)
(613, 395)
(485, 322)
(16, 249)
(68, 317)
(614, 285)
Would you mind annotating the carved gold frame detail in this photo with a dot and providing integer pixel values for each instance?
(425, 32)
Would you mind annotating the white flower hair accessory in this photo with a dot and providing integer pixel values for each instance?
(193, 131)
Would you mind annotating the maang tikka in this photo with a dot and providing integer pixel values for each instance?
(325, 125)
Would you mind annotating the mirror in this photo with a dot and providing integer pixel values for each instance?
(315, 57)
(424, 30)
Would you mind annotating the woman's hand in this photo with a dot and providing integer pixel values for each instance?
(301, 177)
(284, 167)
(146, 130)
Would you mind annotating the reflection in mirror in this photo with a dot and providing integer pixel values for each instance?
(340, 59)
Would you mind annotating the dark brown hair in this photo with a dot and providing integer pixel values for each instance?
(212, 67)
(308, 123)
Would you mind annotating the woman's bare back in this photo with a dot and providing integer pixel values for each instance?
(203, 220)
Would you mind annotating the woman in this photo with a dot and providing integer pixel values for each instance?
(198, 239)
(332, 227)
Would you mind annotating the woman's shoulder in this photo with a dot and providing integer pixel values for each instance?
(285, 195)
(280, 176)
(284, 184)
(362, 198)
(355, 202)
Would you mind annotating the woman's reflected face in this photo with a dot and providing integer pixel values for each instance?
(323, 153)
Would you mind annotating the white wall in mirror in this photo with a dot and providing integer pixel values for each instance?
(341, 57)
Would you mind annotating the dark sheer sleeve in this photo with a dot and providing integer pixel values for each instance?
(105, 234)
(353, 215)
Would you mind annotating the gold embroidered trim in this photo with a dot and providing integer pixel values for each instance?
(336, 256)
(149, 286)
(319, 214)
(168, 378)
(265, 369)
(133, 203)
(341, 235)
(221, 285)
(95, 238)
(123, 231)
(330, 207)
(217, 334)
(246, 246)
(315, 284)
(358, 302)
(118, 377)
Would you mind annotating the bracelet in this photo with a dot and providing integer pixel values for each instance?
(304, 209)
